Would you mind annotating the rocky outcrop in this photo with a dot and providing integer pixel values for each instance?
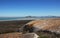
(19, 35)
(52, 25)
(30, 35)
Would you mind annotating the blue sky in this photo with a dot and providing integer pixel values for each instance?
(17, 8)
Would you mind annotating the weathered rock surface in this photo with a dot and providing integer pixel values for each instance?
(52, 25)
(19, 35)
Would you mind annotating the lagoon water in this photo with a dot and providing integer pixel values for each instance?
(23, 18)
(16, 18)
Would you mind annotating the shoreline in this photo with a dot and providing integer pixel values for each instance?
(27, 19)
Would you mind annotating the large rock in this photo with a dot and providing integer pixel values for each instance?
(30, 35)
(52, 25)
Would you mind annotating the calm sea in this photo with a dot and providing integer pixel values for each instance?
(10, 18)
(23, 18)
(15, 18)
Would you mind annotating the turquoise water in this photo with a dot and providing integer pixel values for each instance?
(8, 18)
(14, 18)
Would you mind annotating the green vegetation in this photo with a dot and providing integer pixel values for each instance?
(43, 37)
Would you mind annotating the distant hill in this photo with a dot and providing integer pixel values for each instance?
(42, 16)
